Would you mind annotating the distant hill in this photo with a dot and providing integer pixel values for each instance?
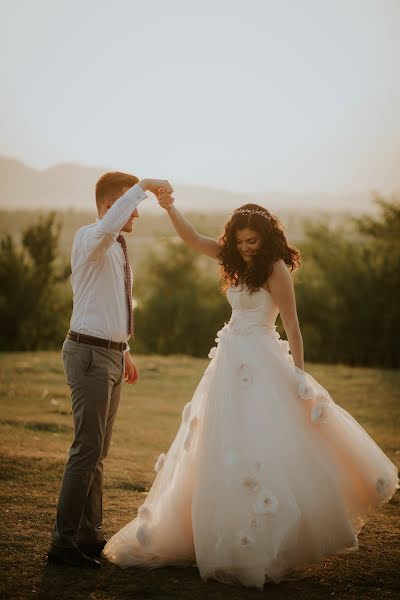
(59, 186)
(72, 186)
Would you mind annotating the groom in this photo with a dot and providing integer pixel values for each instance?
(96, 361)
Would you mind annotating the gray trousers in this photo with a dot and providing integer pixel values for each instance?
(94, 375)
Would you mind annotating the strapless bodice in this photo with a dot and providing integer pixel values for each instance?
(251, 309)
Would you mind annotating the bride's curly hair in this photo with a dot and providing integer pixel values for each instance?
(274, 246)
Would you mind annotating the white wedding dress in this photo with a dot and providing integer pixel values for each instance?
(266, 474)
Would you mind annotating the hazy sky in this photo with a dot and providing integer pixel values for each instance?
(294, 96)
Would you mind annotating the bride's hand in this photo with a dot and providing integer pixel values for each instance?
(166, 201)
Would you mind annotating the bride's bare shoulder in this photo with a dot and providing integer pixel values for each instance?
(280, 274)
(280, 269)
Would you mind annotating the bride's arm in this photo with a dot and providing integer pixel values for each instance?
(187, 232)
(281, 287)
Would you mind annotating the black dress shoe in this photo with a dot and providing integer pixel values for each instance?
(71, 557)
(92, 550)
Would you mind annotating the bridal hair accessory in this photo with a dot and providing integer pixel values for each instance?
(251, 211)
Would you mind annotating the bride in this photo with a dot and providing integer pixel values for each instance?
(266, 474)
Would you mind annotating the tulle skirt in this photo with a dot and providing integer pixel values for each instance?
(266, 474)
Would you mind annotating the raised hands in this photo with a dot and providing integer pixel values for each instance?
(158, 187)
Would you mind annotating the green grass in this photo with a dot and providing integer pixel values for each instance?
(35, 433)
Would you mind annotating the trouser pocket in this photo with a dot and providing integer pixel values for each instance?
(77, 360)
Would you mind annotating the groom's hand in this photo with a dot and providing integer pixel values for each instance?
(158, 187)
(131, 370)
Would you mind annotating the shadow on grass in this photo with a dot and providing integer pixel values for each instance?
(128, 486)
(111, 582)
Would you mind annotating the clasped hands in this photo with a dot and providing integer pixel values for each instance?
(161, 188)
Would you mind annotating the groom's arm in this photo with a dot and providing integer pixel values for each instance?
(98, 239)
(118, 214)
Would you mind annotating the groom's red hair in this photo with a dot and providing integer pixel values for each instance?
(110, 186)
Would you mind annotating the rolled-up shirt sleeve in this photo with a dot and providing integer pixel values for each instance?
(99, 238)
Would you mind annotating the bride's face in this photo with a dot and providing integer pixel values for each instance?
(248, 243)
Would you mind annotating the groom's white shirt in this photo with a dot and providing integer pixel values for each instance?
(98, 276)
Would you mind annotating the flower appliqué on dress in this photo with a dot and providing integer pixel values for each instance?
(319, 412)
(189, 436)
(305, 389)
(266, 503)
(382, 485)
(188, 441)
(251, 484)
(245, 541)
(144, 512)
(254, 523)
(212, 352)
(193, 423)
(222, 333)
(186, 412)
(143, 535)
(244, 374)
(285, 346)
(160, 463)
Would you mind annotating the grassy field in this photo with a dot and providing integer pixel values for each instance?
(35, 428)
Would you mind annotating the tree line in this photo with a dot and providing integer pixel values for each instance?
(347, 292)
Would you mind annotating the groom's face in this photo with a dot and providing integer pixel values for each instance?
(127, 228)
